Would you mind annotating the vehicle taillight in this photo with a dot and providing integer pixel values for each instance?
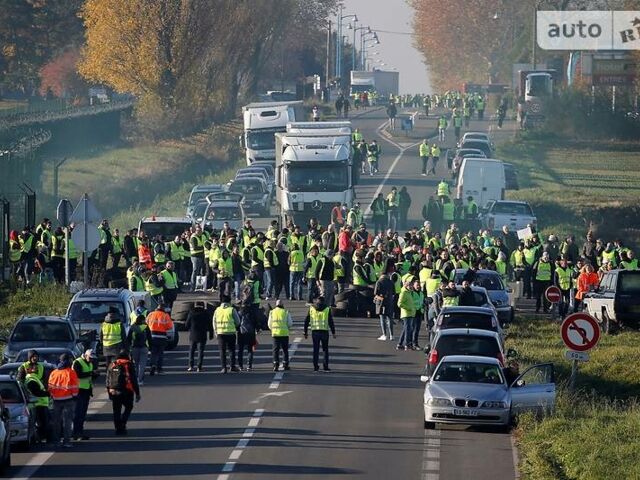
(433, 357)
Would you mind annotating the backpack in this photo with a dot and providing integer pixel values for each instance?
(117, 377)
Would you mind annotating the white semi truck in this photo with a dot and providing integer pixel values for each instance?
(261, 121)
(314, 171)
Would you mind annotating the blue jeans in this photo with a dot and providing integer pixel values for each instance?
(406, 339)
(417, 323)
(237, 281)
(198, 269)
(312, 289)
(295, 285)
(269, 275)
(386, 325)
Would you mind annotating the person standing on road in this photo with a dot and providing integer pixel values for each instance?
(112, 335)
(196, 252)
(403, 208)
(139, 340)
(84, 368)
(373, 156)
(424, 150)
(199, 326)
(325, 273)
(457, 125)
(225, 324)
(406, 303)
(383, 297)
(392, 111)
(562, 279)
(442, 127)
(170, 284)
(280, 323)
(63, 387)
(393, 203)
(435, 158)
(160, 324)
(310, 269)
(122, 386)
(40, 400)
(542, 276)
(379, 213)
(296, 270)
(587, 281)
(320, 320)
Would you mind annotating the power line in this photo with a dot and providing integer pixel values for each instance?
(392, 32)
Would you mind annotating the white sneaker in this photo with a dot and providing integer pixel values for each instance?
(382, 337)
(391, 338)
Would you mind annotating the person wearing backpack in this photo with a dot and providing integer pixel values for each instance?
(225, 324)
(139, 338)
(246, 335)
(122, 387)
(199, 325)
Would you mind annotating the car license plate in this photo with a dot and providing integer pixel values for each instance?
(465, 412)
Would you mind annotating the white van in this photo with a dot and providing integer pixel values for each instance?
(481, 178)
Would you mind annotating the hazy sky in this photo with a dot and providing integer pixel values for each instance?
(395, 50)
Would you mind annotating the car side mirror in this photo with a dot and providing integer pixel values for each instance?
(520, 383)
(424, 378)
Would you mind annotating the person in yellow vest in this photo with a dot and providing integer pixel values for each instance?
(196, 251)
(270, 262)
(406, 303)
(319, 320)
(296, 270)
(57, 254)
(562, 279)
(310, 269)
(84, 367)
(113, 335)
(629, 262)
(448, 210)
(15, 252)
(225, 324)
(224, 269)
(39, 400)
(171, 284)
(393, 206)
(136, 282)
(435, 158)
(443, 189)
(280, 323)
(424, 150)
(542, 277)
(116, 248)
(73, 255)
(154, 284)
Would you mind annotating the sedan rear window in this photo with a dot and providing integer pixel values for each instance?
(469, 373)
(42, 331)
(467, 345)
(93, 312)
(467, 320)
(629, 282)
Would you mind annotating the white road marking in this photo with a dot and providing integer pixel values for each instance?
(270, 394)
(229, 466)
(253, 422)
(32, 466)
(274, 385)
(431, 455)
(235, 454)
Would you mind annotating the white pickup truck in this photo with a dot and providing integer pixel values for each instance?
(515, 214)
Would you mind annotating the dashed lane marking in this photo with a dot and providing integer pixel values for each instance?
(431, 455)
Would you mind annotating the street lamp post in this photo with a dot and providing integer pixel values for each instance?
(339, 25)
(364, 46)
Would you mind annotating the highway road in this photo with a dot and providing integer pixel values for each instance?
(362, 420)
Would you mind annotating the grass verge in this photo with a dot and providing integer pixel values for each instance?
(38, 300)
(570, 184)
(594, 431)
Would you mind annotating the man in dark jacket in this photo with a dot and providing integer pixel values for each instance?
(467, 299)
(325, 274)
(200, 327)
(320, 320)
(139, 340)
(121, 389)
(384, 299)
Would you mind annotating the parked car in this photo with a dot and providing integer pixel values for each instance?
(617, 300)
(481, 318)
(11, 368)
(199, 193)
(498, 292)
(42, 331)
(481, 298)
(478, 144)
(5, 438)
(89, 307)
(476, 136)
(473, 390)
(47, 355)
(22, 423)
(224, 208)
(464, 341)
(514, 214)
(481, 178)
(255, 194)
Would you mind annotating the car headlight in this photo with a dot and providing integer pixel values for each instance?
(439, 402)
(493, 404)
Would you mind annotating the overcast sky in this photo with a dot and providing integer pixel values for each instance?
(395, 50)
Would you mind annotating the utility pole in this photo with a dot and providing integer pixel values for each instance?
(328, 65)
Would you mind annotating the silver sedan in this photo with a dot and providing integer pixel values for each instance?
(473, 390)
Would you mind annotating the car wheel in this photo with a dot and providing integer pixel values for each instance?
(512, 315)
(429, 425)
(6, 458)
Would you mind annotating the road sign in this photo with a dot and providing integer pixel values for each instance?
(63, 212)
(85, 211)
(553, 294)
(580, 332)
(86, 243)
(576, 356)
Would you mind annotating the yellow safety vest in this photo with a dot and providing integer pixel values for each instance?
(338, 271)
(86, 367)
(319, 320)
(296, 260)
(564, 277)
(151, 288)
(255, 263)
(443, 189)
(170, 279)
(448, 211)
(279, 325)
(450, 301)
(267, 263)
(224, 320)
(311, 273)
(199, 244)
(37, 401)
(544, 272)
(359, 280)
(14, 253)
(111, 334)
(225, 267)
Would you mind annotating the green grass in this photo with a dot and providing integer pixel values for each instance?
(570, 184)
(594, 431)
(36, 300)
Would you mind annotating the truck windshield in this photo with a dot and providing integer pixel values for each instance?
(261, 140)
(318, 177)
(168, 230)
(539, 85)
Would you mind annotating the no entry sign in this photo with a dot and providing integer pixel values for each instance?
(553, 294)
(580, 332)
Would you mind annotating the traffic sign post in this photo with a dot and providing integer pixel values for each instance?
(85, 235)
(63, 212)
(553, 296)
(580, 332)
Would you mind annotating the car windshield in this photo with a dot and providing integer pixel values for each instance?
(476, 136)
(469, 372)
(320, 176)
(478, 145)
(261, 140)
(168, 230)
(199, 209)
(223, 213)
(247, 187)
(466, 320)
(42, 331)
(52, 357)
(510, 208)
(489, 281)
(629, 282)
(10, 392)
(467, 345)
(94, 311)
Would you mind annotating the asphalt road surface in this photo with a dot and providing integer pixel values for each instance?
(361, 420)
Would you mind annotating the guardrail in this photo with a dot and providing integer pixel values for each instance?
(26, 118)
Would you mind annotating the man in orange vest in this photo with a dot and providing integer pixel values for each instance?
(160, 324)
(144, 253)
(63, 388)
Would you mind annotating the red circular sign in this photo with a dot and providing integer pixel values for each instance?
(553, 294)
(580, 332)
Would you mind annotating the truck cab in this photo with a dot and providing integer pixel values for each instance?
(261, 121)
